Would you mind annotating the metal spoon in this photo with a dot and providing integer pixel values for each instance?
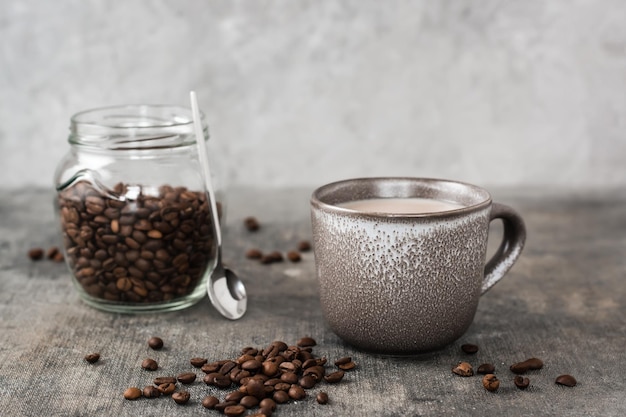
(226, 291)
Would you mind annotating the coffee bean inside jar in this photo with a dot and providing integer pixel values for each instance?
(150, 249)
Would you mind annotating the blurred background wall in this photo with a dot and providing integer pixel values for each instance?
(495, 92)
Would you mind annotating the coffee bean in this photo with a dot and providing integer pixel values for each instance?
(210, 402)
(222, 381)
(249, 401)
(294, 256)
(280, 397)
(528, 364)
(486, 368)
(251, 365)
(306, 341)
(334, 377)
(519, 368)
(268, 403)
(222, 405)
(132, 393)
(234, 396)
(343, 361)
(35, 254)
(289, 377)
(234, 410)
(186, 377)
(304, 246)
(270, 368)
(92, 357)
(347, 366)
(52, 252)
(149, 364)
(254, 254)
(198, 362)
(256, 388)
(463, 369)
(208, 368)
(534, 363)
(282, 386)
(296, 392)
(251, 223)
(181, 397)
(166, 388)
(566, 380)
(307, 382)
(151, 391)
(164, 380)
(469, 348)
(58, 257)
(521, 382)
(321, 397)
(491, 382)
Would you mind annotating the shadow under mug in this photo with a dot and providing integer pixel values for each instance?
(407, 283)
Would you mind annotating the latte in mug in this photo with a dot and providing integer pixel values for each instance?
(412, 205)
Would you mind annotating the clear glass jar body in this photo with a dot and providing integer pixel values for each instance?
(133, 209)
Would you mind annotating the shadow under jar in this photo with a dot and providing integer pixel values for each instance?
(133, 208)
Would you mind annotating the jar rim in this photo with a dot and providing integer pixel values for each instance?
(135, 126)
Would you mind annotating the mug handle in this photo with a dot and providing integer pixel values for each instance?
(513, 240)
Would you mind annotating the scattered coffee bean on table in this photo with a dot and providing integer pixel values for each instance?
(304, 246)
(35, 254)
(254, 254)
(491, 382)
(529, 364)
(469, 348)
(294, 256)
(210, 402)
(149, 364)
(306, 342)
(234, 410)
(263, 378)
(151, 391)
(272, 257)
(251, 223)
(132, 393)
(321, 397)
(166, 388)
(486, 368)
(164, 380)
(155, 343)
(186, 378)
(521, 382)
(92, 357)
(566, 380)
(463, 369)
(53, 252)
(181, 397)
(198, 362)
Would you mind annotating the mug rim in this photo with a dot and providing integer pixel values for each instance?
(317, 197)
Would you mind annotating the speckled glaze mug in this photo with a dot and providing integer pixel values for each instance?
(406, 283)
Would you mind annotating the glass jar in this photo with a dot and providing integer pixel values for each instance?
(133, 209)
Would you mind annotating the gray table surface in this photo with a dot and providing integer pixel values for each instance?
(564, 302)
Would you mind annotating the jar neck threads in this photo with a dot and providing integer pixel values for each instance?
(134, 127)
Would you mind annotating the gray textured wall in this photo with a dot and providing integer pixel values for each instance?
(497, 92)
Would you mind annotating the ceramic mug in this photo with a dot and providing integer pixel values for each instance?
(401, 280)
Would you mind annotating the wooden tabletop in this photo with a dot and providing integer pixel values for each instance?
(563, 302)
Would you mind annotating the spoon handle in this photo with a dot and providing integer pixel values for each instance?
(206, 169)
